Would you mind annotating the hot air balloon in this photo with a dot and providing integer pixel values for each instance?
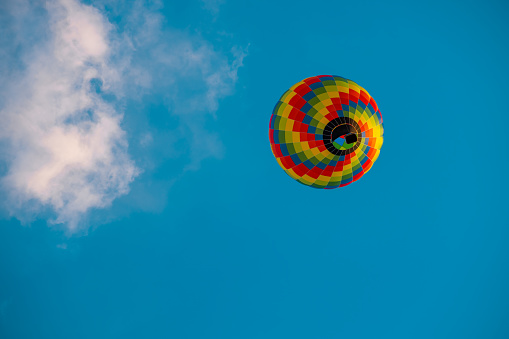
(326, 131)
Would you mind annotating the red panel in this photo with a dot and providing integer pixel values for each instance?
(296, 126)
(287, 161)
(364, 127)
(296, 115)
(300, 170)
(367, 164)
(304, 129)
(344, 98)
(328, 171)
(354, 96)
(331, 116)
(337, 103)
(371, 153)
(364, 97)
(297, 102)
(303, 136)
(339, 166)
(312, 80)
(314, 172)
(373, 103)
(271, 135)
(276, 149)
(302, 90)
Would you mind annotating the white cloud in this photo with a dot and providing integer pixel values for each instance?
(69, 77)
(67, 150)
(189, 72)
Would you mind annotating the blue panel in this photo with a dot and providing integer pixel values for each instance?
(308, 164)
(296, 159)
(308, 96)
(307, 119)
(346, 181)
(316, 85)
(371, 108)
(321, 165)
(284, 150)
(306, 108)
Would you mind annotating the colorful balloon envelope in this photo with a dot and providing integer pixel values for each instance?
(326, 131)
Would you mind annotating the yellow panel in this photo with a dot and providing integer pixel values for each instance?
(324, 121)
(318, 106)
(284, 110)
(320, 156)
(289, 137)
(331, 88)
(324, 112)
(324, 179)
(309, 153)
(305, 179)
(343, 89)
(304, 145)
(298, 147)
(315, 151)
(282, 123)
(323, 97)
(379, 142)
(289, 125)
(334, 94)
(296, 136)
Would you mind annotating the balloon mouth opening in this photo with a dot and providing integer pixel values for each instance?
(341, 136)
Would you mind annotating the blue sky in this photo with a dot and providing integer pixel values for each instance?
(140, 197)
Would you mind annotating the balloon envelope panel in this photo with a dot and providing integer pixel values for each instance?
(326, 131)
